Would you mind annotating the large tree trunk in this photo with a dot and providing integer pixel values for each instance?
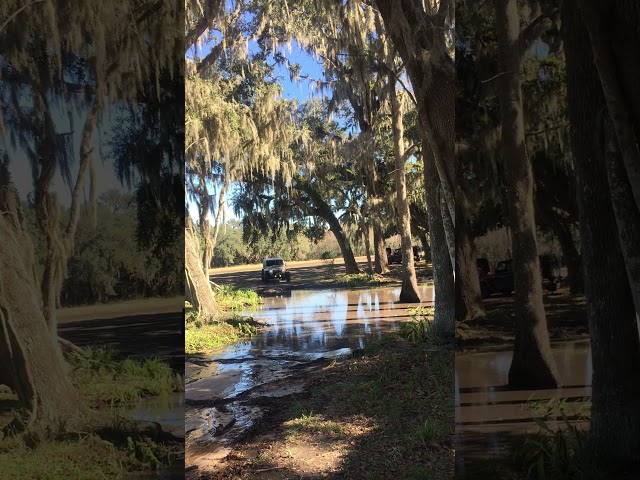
(350, 264)
(31, 361)
(218, 219)
(409, 289)
(571, 256)
(468, 296)
(366, 230)
(381, 263)
(323, 210)
(205, 226)
(627, 217)
(197, 287)
(443, 279)
(420, 38)
(533, 365)
(619, 73)
(615, 413)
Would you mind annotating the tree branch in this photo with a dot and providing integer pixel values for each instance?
(17, 12)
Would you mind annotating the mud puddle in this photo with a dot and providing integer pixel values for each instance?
(224, 392)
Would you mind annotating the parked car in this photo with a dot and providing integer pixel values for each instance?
(274, 268)
(501, 281)
(396, 255)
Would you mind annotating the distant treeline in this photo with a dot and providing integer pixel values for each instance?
(231, 249)
(117, 256)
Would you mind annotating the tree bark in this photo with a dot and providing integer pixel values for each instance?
(468, 296)
(615, 413)
(571, 256)
(197, 287)
(598, 17)
(443, 280)
(627, 216)
(419, 37)
(533, 365)
(323, 210)
(351, 266)
(367, 243)
(32, 362)
(381, 263)
(218, 219)
(409, 289)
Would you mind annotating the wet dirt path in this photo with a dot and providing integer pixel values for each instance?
(306, 328)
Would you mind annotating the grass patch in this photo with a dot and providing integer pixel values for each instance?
(421, 329)
(104, 379)
(210, 336)
(232, 299)
(311, 423)
(80, 460)
(361, 280)
(109, 453)
(203, 336)
(393, 407)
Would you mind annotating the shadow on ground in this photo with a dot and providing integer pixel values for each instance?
(139, 336)
(384, 414)
(311, 278)
(566, 319)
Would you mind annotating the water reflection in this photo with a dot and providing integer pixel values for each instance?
(488, 413)
(302, 327)
(312, 321)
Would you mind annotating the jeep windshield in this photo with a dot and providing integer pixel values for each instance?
(276, 262)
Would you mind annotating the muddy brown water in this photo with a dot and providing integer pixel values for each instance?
(303, 326)
(489, 415)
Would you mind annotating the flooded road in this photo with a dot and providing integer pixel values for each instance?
(488, 414)
(303, 327)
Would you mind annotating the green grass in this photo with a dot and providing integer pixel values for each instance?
(208, 337)
(203, 336)
(361, 280)
(116, 450)
(553, 453)
(393, 406)
(88, 459)
(104, 379)
(232, 299)
(310, 423)
(421, 329)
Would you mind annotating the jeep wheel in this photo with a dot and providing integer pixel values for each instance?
(287, 277)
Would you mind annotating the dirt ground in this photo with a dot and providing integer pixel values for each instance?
(359, 418)
(310, 275)
(384, 413)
